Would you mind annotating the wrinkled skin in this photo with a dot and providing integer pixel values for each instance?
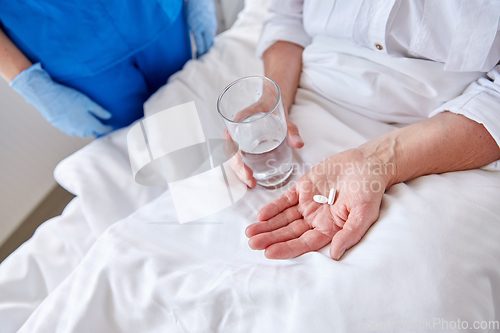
(295, 224)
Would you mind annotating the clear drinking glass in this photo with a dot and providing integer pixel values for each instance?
(254, 116)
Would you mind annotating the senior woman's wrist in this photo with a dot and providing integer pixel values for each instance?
(446, 142)
(283, 64)
(380, 154)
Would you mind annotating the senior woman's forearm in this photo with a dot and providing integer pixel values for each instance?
(12, 60)
(446, 142)
(283, 64)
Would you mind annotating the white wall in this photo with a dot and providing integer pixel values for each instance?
(227, 12)
(30, 148)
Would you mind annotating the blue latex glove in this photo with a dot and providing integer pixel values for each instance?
(202, 22)
(67, 109)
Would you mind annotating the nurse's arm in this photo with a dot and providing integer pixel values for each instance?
(443, 143)
(12, 60)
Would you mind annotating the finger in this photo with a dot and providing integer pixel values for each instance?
(242, 171)
(251, 181)
(358, 222)
(204, 42)
(230, 147)
(95, 127)
(257, 107)
(311, 240)
(294, 138)
(288, 199)
(200, 43)
(86, 133)
(68, 130)
(100, 112)
(286, 217)
(102, 130)
(81, 134)
(226, 135)
(291, 231)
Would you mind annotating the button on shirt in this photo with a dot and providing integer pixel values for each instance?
(459, 37)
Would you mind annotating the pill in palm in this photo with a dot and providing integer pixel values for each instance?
(331, 197)
(320, 199)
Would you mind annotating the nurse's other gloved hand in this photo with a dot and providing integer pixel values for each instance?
(67, 109)
(295, 224)
(202, 22)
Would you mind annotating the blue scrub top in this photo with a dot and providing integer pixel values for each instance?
(75, 38)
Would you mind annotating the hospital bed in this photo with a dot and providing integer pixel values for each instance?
(115, 261)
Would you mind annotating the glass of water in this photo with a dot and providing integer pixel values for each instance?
(253, 112)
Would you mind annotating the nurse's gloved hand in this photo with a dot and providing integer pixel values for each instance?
(67, 109)
(202, 22)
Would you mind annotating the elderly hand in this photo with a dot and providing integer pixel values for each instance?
(282, 64)
(295, 224)
(244, 173)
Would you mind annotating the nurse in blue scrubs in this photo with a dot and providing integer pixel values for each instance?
(89, 65)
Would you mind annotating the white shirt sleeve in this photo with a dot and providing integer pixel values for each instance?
(481, 103)
(285, 24)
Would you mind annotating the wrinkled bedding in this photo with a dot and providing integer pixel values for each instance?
(117, 260)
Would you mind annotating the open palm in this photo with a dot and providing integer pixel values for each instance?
(295, 224)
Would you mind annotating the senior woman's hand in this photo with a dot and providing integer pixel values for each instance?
(282, 64)
(294, 224)
(242, 171)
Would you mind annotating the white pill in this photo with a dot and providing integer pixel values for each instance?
(331, 197)
(320, 199)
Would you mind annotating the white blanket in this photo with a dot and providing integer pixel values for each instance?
(115, 261)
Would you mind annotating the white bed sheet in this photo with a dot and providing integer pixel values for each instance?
(116, 262)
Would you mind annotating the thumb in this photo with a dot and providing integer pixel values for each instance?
(199, 39)
(294, 139)
(359, 221)
(100, 112)
(242, 171)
